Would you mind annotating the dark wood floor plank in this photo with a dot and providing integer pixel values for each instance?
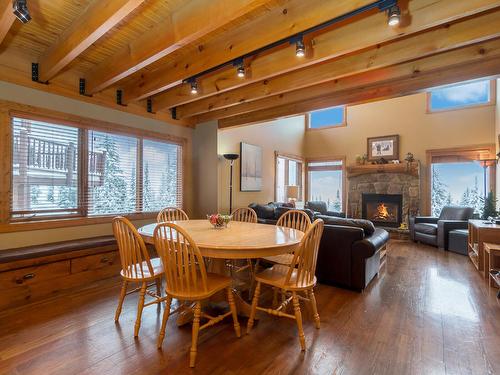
(428, 312)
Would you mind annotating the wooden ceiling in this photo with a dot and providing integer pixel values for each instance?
(147, 48)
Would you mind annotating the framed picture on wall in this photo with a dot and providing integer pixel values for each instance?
(386, 147)
(250, 167)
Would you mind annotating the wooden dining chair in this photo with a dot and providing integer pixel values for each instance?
(244, 214)
(295, 279)
(137, 267)
(294, 219)
(188, 280)
(171, 214)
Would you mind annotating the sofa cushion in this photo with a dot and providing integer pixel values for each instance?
(263, 211)
(426, 228)
(317, 206)
(366, 225)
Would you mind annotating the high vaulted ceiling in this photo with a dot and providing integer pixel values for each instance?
(147, 49)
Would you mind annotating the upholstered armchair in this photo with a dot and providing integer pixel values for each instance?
(434, 230)
(320, 208)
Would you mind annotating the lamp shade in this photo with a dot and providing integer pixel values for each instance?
(292, 192)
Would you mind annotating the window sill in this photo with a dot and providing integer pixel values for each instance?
(20, 226)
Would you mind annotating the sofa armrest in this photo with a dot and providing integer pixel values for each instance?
(369, 245)
(444, 228)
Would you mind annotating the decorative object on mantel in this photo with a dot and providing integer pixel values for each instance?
(386, 147)
(250, 167)
(409, 158)
(219, 221)
(394, 161)
(380, 161)
(359, 160)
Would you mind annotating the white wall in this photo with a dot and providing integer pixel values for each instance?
(36, 98)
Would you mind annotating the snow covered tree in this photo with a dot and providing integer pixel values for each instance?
(111, 196)
(440, 193)
(147, 193)
(66, 197)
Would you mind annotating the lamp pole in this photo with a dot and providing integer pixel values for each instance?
(231, 158)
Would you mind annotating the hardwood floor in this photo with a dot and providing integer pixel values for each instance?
(429, 312)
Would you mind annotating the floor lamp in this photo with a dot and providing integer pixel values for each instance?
(231, 158)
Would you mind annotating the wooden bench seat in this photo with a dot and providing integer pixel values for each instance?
(33, 273)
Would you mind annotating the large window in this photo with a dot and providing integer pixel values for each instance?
(289, 172)
(326, 118)
(325, 182)
(461, 95)
(61, 170)
(458, 178)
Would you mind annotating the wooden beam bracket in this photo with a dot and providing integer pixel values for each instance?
(149, 105)
(119, 98)
(82, 88)
(173, 111)
(35, 74)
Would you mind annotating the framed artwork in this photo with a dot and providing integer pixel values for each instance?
(386, 147)
(250, 167)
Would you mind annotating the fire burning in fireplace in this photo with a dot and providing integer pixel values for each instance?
(382, 213)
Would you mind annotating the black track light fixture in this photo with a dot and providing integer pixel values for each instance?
(194, 86)
(20, 8)
(300, 48)
(394, 15)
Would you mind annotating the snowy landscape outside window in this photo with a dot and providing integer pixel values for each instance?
(44, 169)
(461, 95)
(56, 175)
(325, 183)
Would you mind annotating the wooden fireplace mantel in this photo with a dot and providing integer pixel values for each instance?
(404, 167)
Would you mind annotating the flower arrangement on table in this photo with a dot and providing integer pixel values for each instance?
(219, 221)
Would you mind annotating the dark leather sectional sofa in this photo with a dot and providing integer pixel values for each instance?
(349, 253)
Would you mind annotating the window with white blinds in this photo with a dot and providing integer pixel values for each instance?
(45, 174)
(60, 170)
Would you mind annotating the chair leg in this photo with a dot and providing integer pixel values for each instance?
(298, 317)
(158, 287)
(166, 314)
(196, 329)
(232, 306)
(275, 297)
(312, 298)
(252, 282)
(123, 293)
(254, 308)
(140, 306)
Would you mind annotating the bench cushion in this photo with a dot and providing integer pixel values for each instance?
(426, 228)
(38, 251)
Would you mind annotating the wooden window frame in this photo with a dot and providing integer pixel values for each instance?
(474, 152)
(491, 102)
(342, 168)
(341, 125)
(300, 172)
(8, 110)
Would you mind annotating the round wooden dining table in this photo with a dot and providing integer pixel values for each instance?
(239, 240)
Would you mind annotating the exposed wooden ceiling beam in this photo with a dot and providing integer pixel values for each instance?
(363, 33)
(96, 21)
(276, 24)
(483, 27)
(190, 22)
(7, 18)
(450, 67)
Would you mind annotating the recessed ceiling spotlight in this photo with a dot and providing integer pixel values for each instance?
(20, 8)
(394, 16)
(300, 48)
(194, 87)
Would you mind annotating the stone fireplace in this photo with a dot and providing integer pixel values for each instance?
(375, 191)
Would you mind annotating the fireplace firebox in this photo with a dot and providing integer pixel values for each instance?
(383, 209)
